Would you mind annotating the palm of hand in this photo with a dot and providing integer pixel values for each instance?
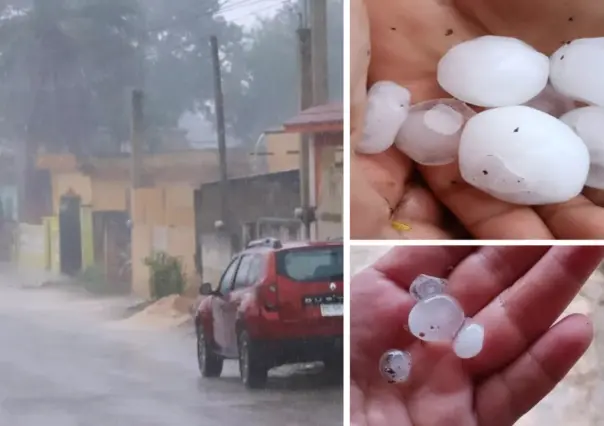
(522, 358)
(402, 41)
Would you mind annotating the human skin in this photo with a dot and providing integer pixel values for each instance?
(402, 41)
(516, 293)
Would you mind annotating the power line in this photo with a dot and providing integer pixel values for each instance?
(257, 11)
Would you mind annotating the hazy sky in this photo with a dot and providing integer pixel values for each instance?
(246, 12)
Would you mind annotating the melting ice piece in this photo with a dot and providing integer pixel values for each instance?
(387, 109)
(523, 156)
(576, 70)
(551, 102)
(469, 340)
(430, 135)
(493, 71)
(425, 286)
(395, 365)
(588, 123)
(436, 319)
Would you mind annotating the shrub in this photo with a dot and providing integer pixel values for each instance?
(166, 275)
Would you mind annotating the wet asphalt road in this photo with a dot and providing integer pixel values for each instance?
(63, 362)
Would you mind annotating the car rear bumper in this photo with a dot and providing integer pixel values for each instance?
(301, 350)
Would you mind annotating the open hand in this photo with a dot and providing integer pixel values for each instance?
(516, 293)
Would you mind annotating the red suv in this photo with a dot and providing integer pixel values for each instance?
(275, 304)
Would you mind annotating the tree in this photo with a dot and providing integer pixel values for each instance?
(63, 66)
(269, 92)
(62, 63)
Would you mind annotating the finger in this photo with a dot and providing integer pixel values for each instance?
(577, 219)
(418, 205)
(380, 303)
(526, 310)
(403, 264)
(504, 397)
(484, 216)
(386, 172)
(378, 309)
(369, 212)
(484, 274)
(360, 52)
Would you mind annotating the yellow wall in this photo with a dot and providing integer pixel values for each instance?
(170, 206)
(109, 195)
(164, 220)
(77, 183)
(282, 152)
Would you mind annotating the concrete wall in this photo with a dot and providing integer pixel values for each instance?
(329, 187)
(270, 195)
(265, 196)
(282, 152)
(32, 247)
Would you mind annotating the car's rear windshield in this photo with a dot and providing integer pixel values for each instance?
(312, 264)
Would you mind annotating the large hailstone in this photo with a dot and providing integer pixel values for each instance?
(436, 319)
(588, 123)
(493, 71)
(523, 156)
(387, 109)
(430, 135)
(576, 70)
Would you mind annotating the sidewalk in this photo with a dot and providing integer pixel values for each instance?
(61, 293)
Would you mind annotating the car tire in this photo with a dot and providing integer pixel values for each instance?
(253, 370)
(210, 364)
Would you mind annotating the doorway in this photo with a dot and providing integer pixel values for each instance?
(70, 234)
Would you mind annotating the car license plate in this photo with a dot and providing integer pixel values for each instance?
(332, 310)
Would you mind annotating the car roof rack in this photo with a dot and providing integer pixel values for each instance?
(265, 242)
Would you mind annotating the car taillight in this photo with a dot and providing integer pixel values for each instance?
(270, 297)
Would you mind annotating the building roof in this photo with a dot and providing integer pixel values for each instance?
(318, 119)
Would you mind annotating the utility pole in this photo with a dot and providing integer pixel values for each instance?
(318, 26)
(222, 151)
(306, 101)
(136, 140)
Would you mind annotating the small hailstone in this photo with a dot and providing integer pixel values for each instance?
(588, 123)
(387, 109)
(576, 70)
(425, 286)
(469, 340)
(551, 102)
(436, 319)
(395, 366)
(523, 156)
(493, 71)
(430, 135)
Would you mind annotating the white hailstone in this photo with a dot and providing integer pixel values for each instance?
(387, 109)
(523, 156)
(430, 135)
(469, 340)
(576, 70)
(493, 71)
(425, 286)
(551, 102)
(395, 365)
(588, 123)
(436, 319)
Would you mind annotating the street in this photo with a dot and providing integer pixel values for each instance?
(66, 360)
